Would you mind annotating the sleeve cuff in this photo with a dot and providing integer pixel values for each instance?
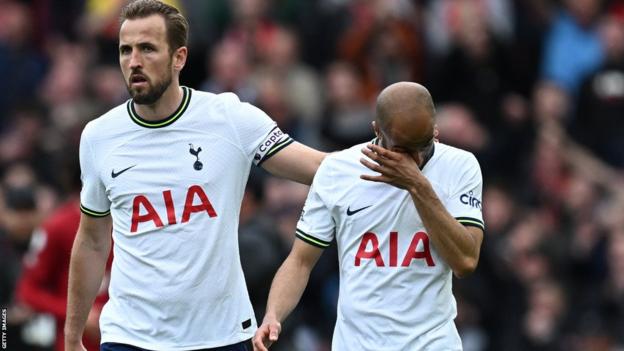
(471, 222)
(93, 213)
(311, 240)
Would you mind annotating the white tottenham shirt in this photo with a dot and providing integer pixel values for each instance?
(174, 190)
(395, 289)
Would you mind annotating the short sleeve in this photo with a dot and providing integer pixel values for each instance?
(93, 199)
(316, 225)
(259, 135)
(464, 202)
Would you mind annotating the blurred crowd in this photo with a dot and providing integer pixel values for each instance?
(534, 88)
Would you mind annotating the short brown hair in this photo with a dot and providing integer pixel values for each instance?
(177, 26)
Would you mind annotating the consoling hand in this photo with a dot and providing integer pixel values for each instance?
(267, 334)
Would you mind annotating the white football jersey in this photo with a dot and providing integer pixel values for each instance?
(174, 190)
(395, 289)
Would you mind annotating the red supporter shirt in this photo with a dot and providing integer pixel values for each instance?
(44, 281)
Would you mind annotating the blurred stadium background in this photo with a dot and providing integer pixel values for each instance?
(535, 88)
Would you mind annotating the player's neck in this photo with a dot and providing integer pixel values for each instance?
(165, 106)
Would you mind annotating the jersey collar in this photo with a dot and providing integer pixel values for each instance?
(428, 156)
(134, 116)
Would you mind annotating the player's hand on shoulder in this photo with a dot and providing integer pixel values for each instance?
(267, 334)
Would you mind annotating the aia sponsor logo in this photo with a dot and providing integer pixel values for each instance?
(143, 209)
(418, 249)
(470, 200)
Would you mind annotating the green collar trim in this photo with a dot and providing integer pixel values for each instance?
(186, 99)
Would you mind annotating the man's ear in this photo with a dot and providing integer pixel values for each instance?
(179, 58)
(376, 129)
(436, 132)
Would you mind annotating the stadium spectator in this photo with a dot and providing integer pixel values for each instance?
(572, 48)
(42, 286)
(347, 115)
(230, 71)
(598, 118)
(302, 85)
(20, 216)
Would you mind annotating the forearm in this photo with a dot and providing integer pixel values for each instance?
(296, 162)
(456, 245)
(86, 270)
(286, 290)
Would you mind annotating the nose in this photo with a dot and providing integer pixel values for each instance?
(135, 60)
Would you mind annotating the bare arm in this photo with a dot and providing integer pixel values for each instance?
(458, 245)
(296, 162)
(286, 290)
(86, 269)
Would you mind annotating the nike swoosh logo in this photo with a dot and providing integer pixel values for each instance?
(114, 175)
(351, 213)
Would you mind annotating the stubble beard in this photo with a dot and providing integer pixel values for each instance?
(152, 93)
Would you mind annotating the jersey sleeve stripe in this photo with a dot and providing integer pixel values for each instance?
(93, 213)
(279, 146)
(468, 221)
(275, 149)
(311, 240)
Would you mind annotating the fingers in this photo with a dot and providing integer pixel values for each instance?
(379, 179)
(265, 336)
(385, 162)
(372, 166)
(259, 340)
(382, 152)
(274, 330)
(259, 344)
(372, 155)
